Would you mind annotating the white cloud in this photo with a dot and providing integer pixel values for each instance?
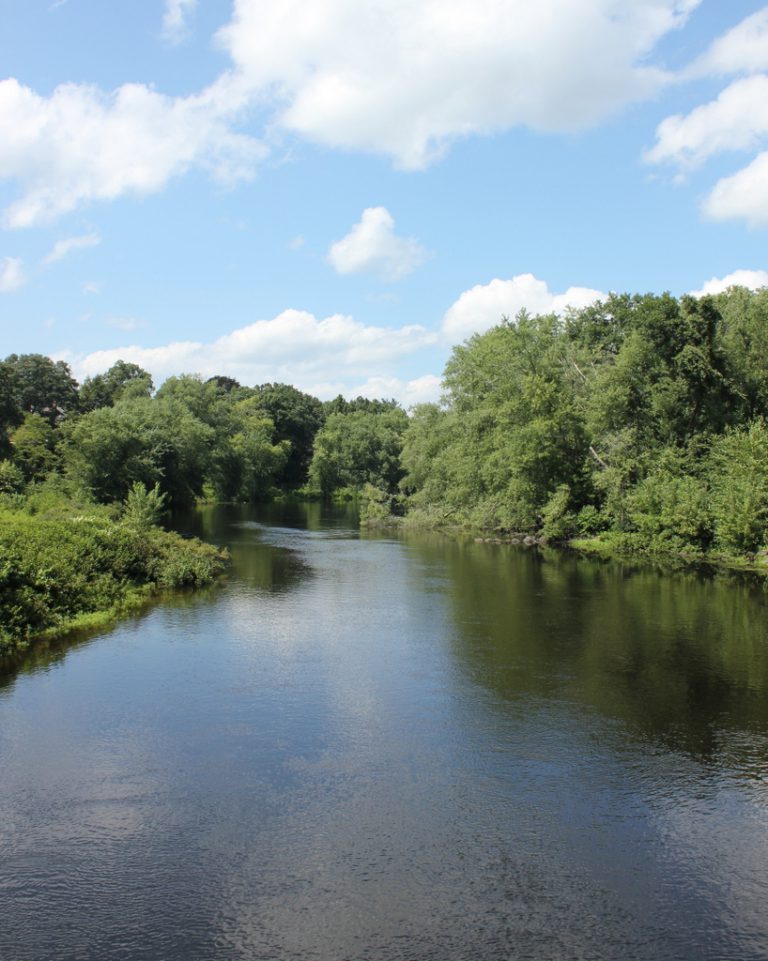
(294, 347)
(62, 247)
(742, 196)
(402, 78)
(483, 306)
(421, 390)
(736, 120)
(81, 145)
(742, 49)
(372, 245)
(12, 274)
(752, 279)
(91, 287)
(176, 18)
(407, 78)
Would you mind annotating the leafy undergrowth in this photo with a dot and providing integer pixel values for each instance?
(61, 572)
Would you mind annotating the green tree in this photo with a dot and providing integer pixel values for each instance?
(225, 385)
(745, 346)
(339, 405)
(34, 447)
(122, 380)
(10, 412)
(359, 448)
(247, 462)
(11, 478)
(520, 433)
(42, 386)
(202, 399)
(297, 417)
(147, 440)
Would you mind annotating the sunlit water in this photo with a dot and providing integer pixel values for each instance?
(378, 748)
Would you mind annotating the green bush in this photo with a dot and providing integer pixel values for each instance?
(376, 506)
(739, 467)
(558, 523)
(11, 478)
(143, 508)
(54, 571)
(671, 513)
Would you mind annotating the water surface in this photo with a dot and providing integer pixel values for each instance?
(379, 748)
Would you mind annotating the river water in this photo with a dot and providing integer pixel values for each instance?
(377, 748)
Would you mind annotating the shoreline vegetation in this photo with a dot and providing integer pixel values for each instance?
(632, 428)
(637, 426)
(74, 566)
(601, 547)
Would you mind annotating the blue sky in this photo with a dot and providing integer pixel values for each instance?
(334, 193)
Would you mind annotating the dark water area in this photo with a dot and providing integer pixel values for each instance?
(373, 747)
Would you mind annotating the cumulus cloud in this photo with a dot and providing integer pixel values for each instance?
(295, 347)
(483, 306)
(421, 390)
(81, 145)
(406, 79)
(62, 247)
(736, 120)
(373, 245)
(176, 19)
(742, 196)
(752, 279)
(743, 49)
(12, 274)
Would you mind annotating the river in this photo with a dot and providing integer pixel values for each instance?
(369, 748)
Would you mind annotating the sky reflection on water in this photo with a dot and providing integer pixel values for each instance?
(376, 748)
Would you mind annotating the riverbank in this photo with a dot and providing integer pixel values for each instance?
(624, 547)
(607, 546)
(58, 574)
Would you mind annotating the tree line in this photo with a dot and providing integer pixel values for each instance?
(191, 438)
(639, 421)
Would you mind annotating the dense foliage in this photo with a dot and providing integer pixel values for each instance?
(358, 448)
(193, 439)
(61, 562)
(639, 419)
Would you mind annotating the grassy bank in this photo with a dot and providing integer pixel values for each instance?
(58, 573)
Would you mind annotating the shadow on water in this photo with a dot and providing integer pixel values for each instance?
(216, 522)
(266, 554)
(678, 658)
(47, 652)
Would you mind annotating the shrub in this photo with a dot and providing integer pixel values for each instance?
(143, 508)
(53, 571)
